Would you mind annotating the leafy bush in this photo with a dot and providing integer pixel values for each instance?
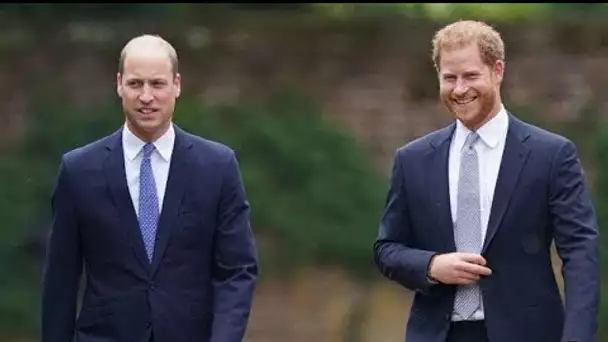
(309, 184)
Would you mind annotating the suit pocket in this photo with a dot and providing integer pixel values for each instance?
(93, 316)
(189, 218)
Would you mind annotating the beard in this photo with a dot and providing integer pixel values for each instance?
(474, 113)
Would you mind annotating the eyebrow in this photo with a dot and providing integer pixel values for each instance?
(140, 79)
(468, 72)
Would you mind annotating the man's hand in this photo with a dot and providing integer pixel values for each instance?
(458, 268)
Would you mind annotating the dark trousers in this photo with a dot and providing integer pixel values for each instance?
(467, 331)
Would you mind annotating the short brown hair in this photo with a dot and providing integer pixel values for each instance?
(149, 39)
(465, 32)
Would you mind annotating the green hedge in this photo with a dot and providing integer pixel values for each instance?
(434, 11)
(310, 185)
(315, 197)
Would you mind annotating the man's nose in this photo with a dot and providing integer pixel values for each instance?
(146, 95)
(461, 88)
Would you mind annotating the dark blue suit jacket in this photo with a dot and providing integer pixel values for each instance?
(200, 284)
(540, 196)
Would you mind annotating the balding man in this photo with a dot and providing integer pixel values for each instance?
(157, 217)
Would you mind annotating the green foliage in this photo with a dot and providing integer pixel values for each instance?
(312, 191)
(579, 10)
(310, 186)
(454, 11)
(26, 177)
(129, 11)
(344, 11)
(601, 195)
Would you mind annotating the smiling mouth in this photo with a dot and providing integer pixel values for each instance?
(464, 101)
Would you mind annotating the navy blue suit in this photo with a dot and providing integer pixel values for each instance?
(540, 196)
(200, 283)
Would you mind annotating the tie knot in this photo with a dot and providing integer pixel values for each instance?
(148, 149)
(471, 139)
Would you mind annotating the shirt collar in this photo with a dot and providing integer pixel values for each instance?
(490, 133)
(132, 145)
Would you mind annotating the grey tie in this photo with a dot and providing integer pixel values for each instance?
(467, 231)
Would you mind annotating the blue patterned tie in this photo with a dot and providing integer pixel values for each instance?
(468, 222)
(148, 201)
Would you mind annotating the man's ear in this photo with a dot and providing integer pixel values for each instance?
(119, 84)
(177, 82)
(499, 70)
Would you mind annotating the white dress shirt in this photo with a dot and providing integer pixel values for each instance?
(160, 160)
(489, 148)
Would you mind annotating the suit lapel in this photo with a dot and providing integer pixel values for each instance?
(114, 170)
(437, 182)
(176, 182)
(513, 160)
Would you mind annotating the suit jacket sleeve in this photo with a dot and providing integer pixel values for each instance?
(235, 269)
(63, 265)
(394, 254)
(576, 238)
